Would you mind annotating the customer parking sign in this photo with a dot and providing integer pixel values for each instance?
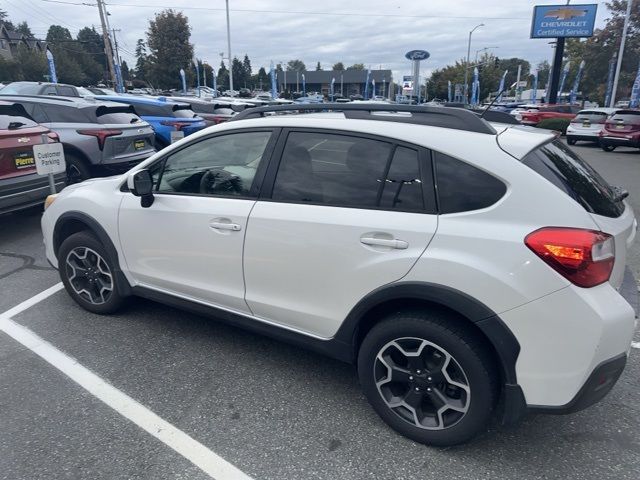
(555, 21)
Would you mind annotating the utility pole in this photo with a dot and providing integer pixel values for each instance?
(229, 50)
(625, 28)
(107, 42)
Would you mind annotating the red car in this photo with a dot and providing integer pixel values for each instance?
(621, 130)
(534, 117)
(20, 185)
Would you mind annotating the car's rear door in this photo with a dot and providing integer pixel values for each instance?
(189, 241)
(341, 214)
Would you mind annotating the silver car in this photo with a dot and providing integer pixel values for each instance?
(98, 136)
(587, 124)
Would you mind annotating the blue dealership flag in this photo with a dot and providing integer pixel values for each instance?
(274, 88)
(52, 67)
(304, 86)
(474, 87)
(576, 84)
(333, 81)
(119, 82)
(563, 78)
(449, 90)
(184, 81)
(635, 92)
(611, 74)
(215, 83)
(373, 87)
(195, 63)
(534, 87)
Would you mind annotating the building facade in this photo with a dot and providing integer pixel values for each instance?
(347, 82)
(11, 40)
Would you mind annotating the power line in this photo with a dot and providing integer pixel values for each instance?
(296, 12)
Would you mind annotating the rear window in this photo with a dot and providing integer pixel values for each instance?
(183, 112)
(116, 115)
(593, 117)
(627, 117)
(567, 171)
(12, 122)
(21, 89)
(202, 107)
(144, 109)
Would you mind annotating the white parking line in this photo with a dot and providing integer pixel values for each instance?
(208, 461)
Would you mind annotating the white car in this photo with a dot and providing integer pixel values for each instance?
(517, 112)
(588, 124)
(460, 265)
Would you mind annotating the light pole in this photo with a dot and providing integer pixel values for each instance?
(229, 50)
(466, 70)
(482, 50)
(620, 53)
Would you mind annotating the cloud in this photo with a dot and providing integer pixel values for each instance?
(374, 32)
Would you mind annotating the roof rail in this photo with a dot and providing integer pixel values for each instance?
(454, 118)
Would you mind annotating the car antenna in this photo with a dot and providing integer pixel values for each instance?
(497, 97)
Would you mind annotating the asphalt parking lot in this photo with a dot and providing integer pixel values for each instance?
(271, 410)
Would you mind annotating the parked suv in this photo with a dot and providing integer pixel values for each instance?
(20, 185)
(40, 88)
(621, 130)
(95, 134)
(458, 266)
(588, 124)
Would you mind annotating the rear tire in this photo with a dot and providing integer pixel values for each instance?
(428, 377)
(88, 274)
(608, 148)
(571, 141)
(77, 169)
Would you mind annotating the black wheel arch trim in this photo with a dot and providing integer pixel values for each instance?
(94, 227)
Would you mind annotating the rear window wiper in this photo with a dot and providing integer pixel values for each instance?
(15, 125)
(619, 194)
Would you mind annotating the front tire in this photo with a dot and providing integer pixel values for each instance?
(77, 169)
(571, 141)
(608, 148)
(428, 378)
(88, 274)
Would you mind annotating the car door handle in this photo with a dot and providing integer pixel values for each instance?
(384, 242)
(234, 227)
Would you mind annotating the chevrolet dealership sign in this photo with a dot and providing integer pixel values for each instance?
(554, 21)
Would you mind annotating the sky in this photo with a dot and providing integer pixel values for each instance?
(375, 32)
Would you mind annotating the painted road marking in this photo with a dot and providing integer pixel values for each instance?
(203, 458)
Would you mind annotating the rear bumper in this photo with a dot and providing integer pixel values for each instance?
(593, 137)
(599, 383)
(26, 191)
(620, 142)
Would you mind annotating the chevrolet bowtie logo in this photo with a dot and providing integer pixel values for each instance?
(565, 13)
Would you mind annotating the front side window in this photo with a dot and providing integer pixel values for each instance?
(348, 171)
(67, 92)
(224, 165)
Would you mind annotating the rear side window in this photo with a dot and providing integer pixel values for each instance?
(567, 171)
(463, 187)
(36, 112)
(348, 171)
(64, 114)
(67, 91)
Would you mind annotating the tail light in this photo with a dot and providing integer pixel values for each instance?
(177, 125)
(220, 119)
(584, 257)
(101, 134)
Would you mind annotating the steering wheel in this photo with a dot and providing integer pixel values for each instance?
(220, 181)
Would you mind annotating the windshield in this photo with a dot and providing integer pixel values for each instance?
(21, 89)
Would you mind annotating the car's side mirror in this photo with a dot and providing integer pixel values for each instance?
(140, 184)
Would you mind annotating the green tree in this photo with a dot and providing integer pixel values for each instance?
(9, 70)
(356, 66)
(126, 73)
(263, 79)
(66, 52)
(223, 77)
(169, 48)
(141, 59)
(296, 66)
(318, 67)
(33, 64)
(24, 29)
(4, 19)
(338, 66)
(246, 66)
(544, 69)
(93, 61)
(239, 76)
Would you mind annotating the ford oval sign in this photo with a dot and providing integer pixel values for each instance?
(417, 55)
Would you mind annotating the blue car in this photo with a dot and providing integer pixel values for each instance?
(164, 117)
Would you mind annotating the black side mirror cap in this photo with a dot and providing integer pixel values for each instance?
(141, 185)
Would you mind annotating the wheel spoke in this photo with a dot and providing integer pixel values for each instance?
(90, 276)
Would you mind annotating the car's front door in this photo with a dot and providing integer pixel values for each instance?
(347, 214)
(190, 241)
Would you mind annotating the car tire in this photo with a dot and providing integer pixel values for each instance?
(571, 141)
(418, 399)
(77, 169)
(88, 274)
(608, 148)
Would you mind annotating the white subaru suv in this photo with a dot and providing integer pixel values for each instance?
(465, 267)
